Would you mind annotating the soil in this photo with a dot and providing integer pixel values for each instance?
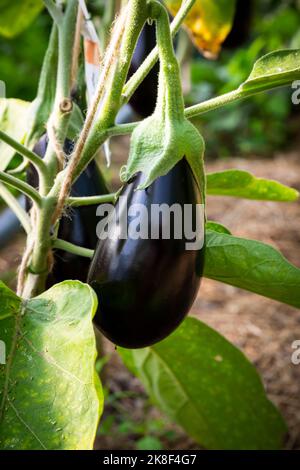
(263, 329)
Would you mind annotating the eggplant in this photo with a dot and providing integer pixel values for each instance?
(146, 287)
(144, 98)
(78, 226)
(241, 27)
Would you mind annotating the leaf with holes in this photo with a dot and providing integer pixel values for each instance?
(207, 386)
(51, 397)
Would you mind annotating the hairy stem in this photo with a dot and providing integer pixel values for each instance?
(22, 187)
(91, 200)
(111, 54)
(152, 58)
(29, 155)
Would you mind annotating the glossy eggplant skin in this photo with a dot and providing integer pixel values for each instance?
(242, 22)
(78, 226)
(144, 99)
(145, 288)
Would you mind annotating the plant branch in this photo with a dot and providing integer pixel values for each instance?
(23, 187)
(197, 109)
(31, 156)
(91, 200)
(111, 54)
(54, 11)
(135, 20)
(71, 248)
(217, 102)
(152, 58)
(16, 207)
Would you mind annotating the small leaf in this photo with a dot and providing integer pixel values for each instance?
(239, 183)
(206, 385)
(13, 121)
(275, 69)
(208, 23)
(216, 227)
(50, 397)
(16, 16)
(253, 266)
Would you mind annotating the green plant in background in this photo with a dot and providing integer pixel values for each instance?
(258, 126)
(51, 397)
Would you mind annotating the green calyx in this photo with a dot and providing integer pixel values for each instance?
(163, 139)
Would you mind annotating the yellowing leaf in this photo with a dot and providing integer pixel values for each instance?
(208, 23)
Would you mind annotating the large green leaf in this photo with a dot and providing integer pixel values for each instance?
(240, 183)
(50, 397)
(205, 384)
(17, 15)
(275, 69)
(13, 121)
(253, 266)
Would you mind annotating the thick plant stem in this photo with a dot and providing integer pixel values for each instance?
(40, 244)
(38, 268)
(137, 15)
(170, 99)
(152, 58)
(63, 105)
(110, 55)
(135, 18)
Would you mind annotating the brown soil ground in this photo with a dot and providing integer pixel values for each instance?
(263, 329)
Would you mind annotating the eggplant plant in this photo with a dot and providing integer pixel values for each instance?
(138, 290)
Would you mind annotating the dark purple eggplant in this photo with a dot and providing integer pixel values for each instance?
(145, 288)
(79, 225)
(241, 27)
(144, 99)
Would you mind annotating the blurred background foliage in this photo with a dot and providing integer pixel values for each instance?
(264, 122)
(256, 126)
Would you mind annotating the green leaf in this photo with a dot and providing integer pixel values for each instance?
(13, 121)
(206, 385)
(50, 396)
(16, 16)
(275, 69)
(253, 266)
(216, 227)
(240, 183)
